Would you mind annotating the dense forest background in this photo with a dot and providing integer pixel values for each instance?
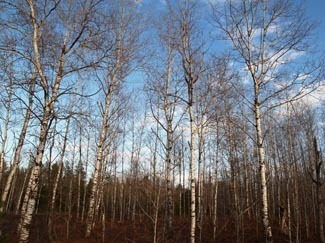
(194, 121)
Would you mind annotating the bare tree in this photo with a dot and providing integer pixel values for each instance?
(8, 81)
(165, 91)
(50, 62)
(60, 166)
(189, 44)
(121, 22)
(268, 37)
(317, 179)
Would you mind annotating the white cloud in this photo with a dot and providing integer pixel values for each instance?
(315, 98)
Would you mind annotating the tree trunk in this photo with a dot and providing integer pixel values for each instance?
(22, 189)
(215, 204)
(4, 134)
(199, 186)
(32, 189)
(20, 144)
(98, 170)
(31, 196)
(168, 175)
(85, 182)
(261, 158)
(122, 197)
(192, 163)
(79, 173)
(318, 181)
(70, 192)
(288, 206)
(115, 182)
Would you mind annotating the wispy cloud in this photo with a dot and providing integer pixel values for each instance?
(315, 98)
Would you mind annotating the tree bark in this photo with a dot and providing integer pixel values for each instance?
(85, 182)
(94, 200)
(20, 144)
(261, 158)
(319, 183)
(192, 162)
(79, 173)
(215, 204)
(32, 188)
(6, 128)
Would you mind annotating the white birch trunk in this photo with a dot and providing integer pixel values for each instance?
(114, 189)
(31, 196)
(192, 164)
(215, 198)
(318, 163)
(58, 175)
(12, 193)
(168, 110)
(22, 190)
(85, 182)
(288, 207)
(156, 214)
(261, 157)
(70, 195)
(32, 189)
(103, 216)
(215, 205)
(79, 173)
(180, 183)
(104, 129)
(5, 130)
(98, 169)
(19, 147)
(168, 180)
(122, 205)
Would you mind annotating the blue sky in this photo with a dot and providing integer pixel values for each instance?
(316, 11)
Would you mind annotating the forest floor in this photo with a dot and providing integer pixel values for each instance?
(140, 232)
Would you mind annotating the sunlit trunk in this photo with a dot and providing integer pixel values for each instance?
(19, 147)
(261, 158)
